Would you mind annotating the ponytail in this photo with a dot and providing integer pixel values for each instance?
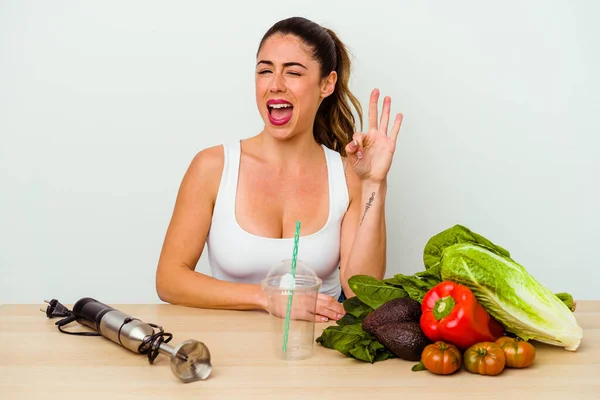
(335, 123)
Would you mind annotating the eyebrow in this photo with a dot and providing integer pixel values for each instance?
(287, 64)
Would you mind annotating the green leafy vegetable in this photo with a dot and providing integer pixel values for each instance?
(418, 367)
(568, 300)
(350, 339)
(348, 319)
(434, 248)
(341, 338)
(374, 292)
(511, 295)
(356, 308)
(417, 285)
(432, 275)
(413, 285)
(353, 341)
(384, 354)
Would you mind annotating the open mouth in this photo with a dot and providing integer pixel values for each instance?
(280, 111)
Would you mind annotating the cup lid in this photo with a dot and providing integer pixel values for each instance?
(280, 277)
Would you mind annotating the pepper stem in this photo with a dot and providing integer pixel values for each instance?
(443, 307)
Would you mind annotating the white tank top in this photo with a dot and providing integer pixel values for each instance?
(236, 255)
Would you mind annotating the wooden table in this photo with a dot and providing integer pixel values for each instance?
(39, 362)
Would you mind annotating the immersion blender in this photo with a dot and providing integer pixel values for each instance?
(190, 360)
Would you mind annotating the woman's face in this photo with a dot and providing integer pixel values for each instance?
(289, 88)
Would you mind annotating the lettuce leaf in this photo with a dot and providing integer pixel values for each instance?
(511, 295)
(415, 287)
(432, 254)
(353, 306)
(354, 342)
(374, 292)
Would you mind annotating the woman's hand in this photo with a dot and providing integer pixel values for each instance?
(327, 307)
(370, 154)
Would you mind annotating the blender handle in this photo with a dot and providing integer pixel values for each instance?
(89, 312)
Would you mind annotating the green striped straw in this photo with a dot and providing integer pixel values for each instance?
(289, 303)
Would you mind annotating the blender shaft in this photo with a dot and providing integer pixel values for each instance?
(170, 351)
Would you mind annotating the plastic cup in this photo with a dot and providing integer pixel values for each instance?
(304, 289)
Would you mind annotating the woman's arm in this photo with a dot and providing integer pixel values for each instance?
(176, 280)
(363, 243)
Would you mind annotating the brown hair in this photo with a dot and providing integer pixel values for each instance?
(334, 124)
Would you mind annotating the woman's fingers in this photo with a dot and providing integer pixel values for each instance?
(355, 148)
(385, 115)
(373, 109)
(396, 127)
(328, 308)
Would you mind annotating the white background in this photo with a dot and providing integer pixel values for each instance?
(103, 105)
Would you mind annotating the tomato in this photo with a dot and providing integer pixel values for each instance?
(485, 358)
(441, 358)
(518, 353)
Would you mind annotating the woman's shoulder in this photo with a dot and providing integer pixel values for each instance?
(205, 170)
(209, 159)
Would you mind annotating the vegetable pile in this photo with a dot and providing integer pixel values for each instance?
(472, 305)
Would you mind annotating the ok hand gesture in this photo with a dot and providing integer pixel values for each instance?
(370, 154)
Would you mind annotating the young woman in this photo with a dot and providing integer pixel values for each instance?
(243, 199)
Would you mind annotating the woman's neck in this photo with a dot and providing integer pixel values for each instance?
(299, 150)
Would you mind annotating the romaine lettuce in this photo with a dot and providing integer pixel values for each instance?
(511, 295)
(434, 248)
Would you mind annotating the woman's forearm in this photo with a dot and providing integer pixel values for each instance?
(368, 252)
(183, 286)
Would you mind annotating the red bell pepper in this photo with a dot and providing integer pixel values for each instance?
(451, 313)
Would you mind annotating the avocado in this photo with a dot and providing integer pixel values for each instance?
(402, 309)
(404, 339)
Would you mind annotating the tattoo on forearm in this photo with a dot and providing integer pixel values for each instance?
(369, 204)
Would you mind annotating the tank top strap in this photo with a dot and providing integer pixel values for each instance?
(225, 202)
(338, 189)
